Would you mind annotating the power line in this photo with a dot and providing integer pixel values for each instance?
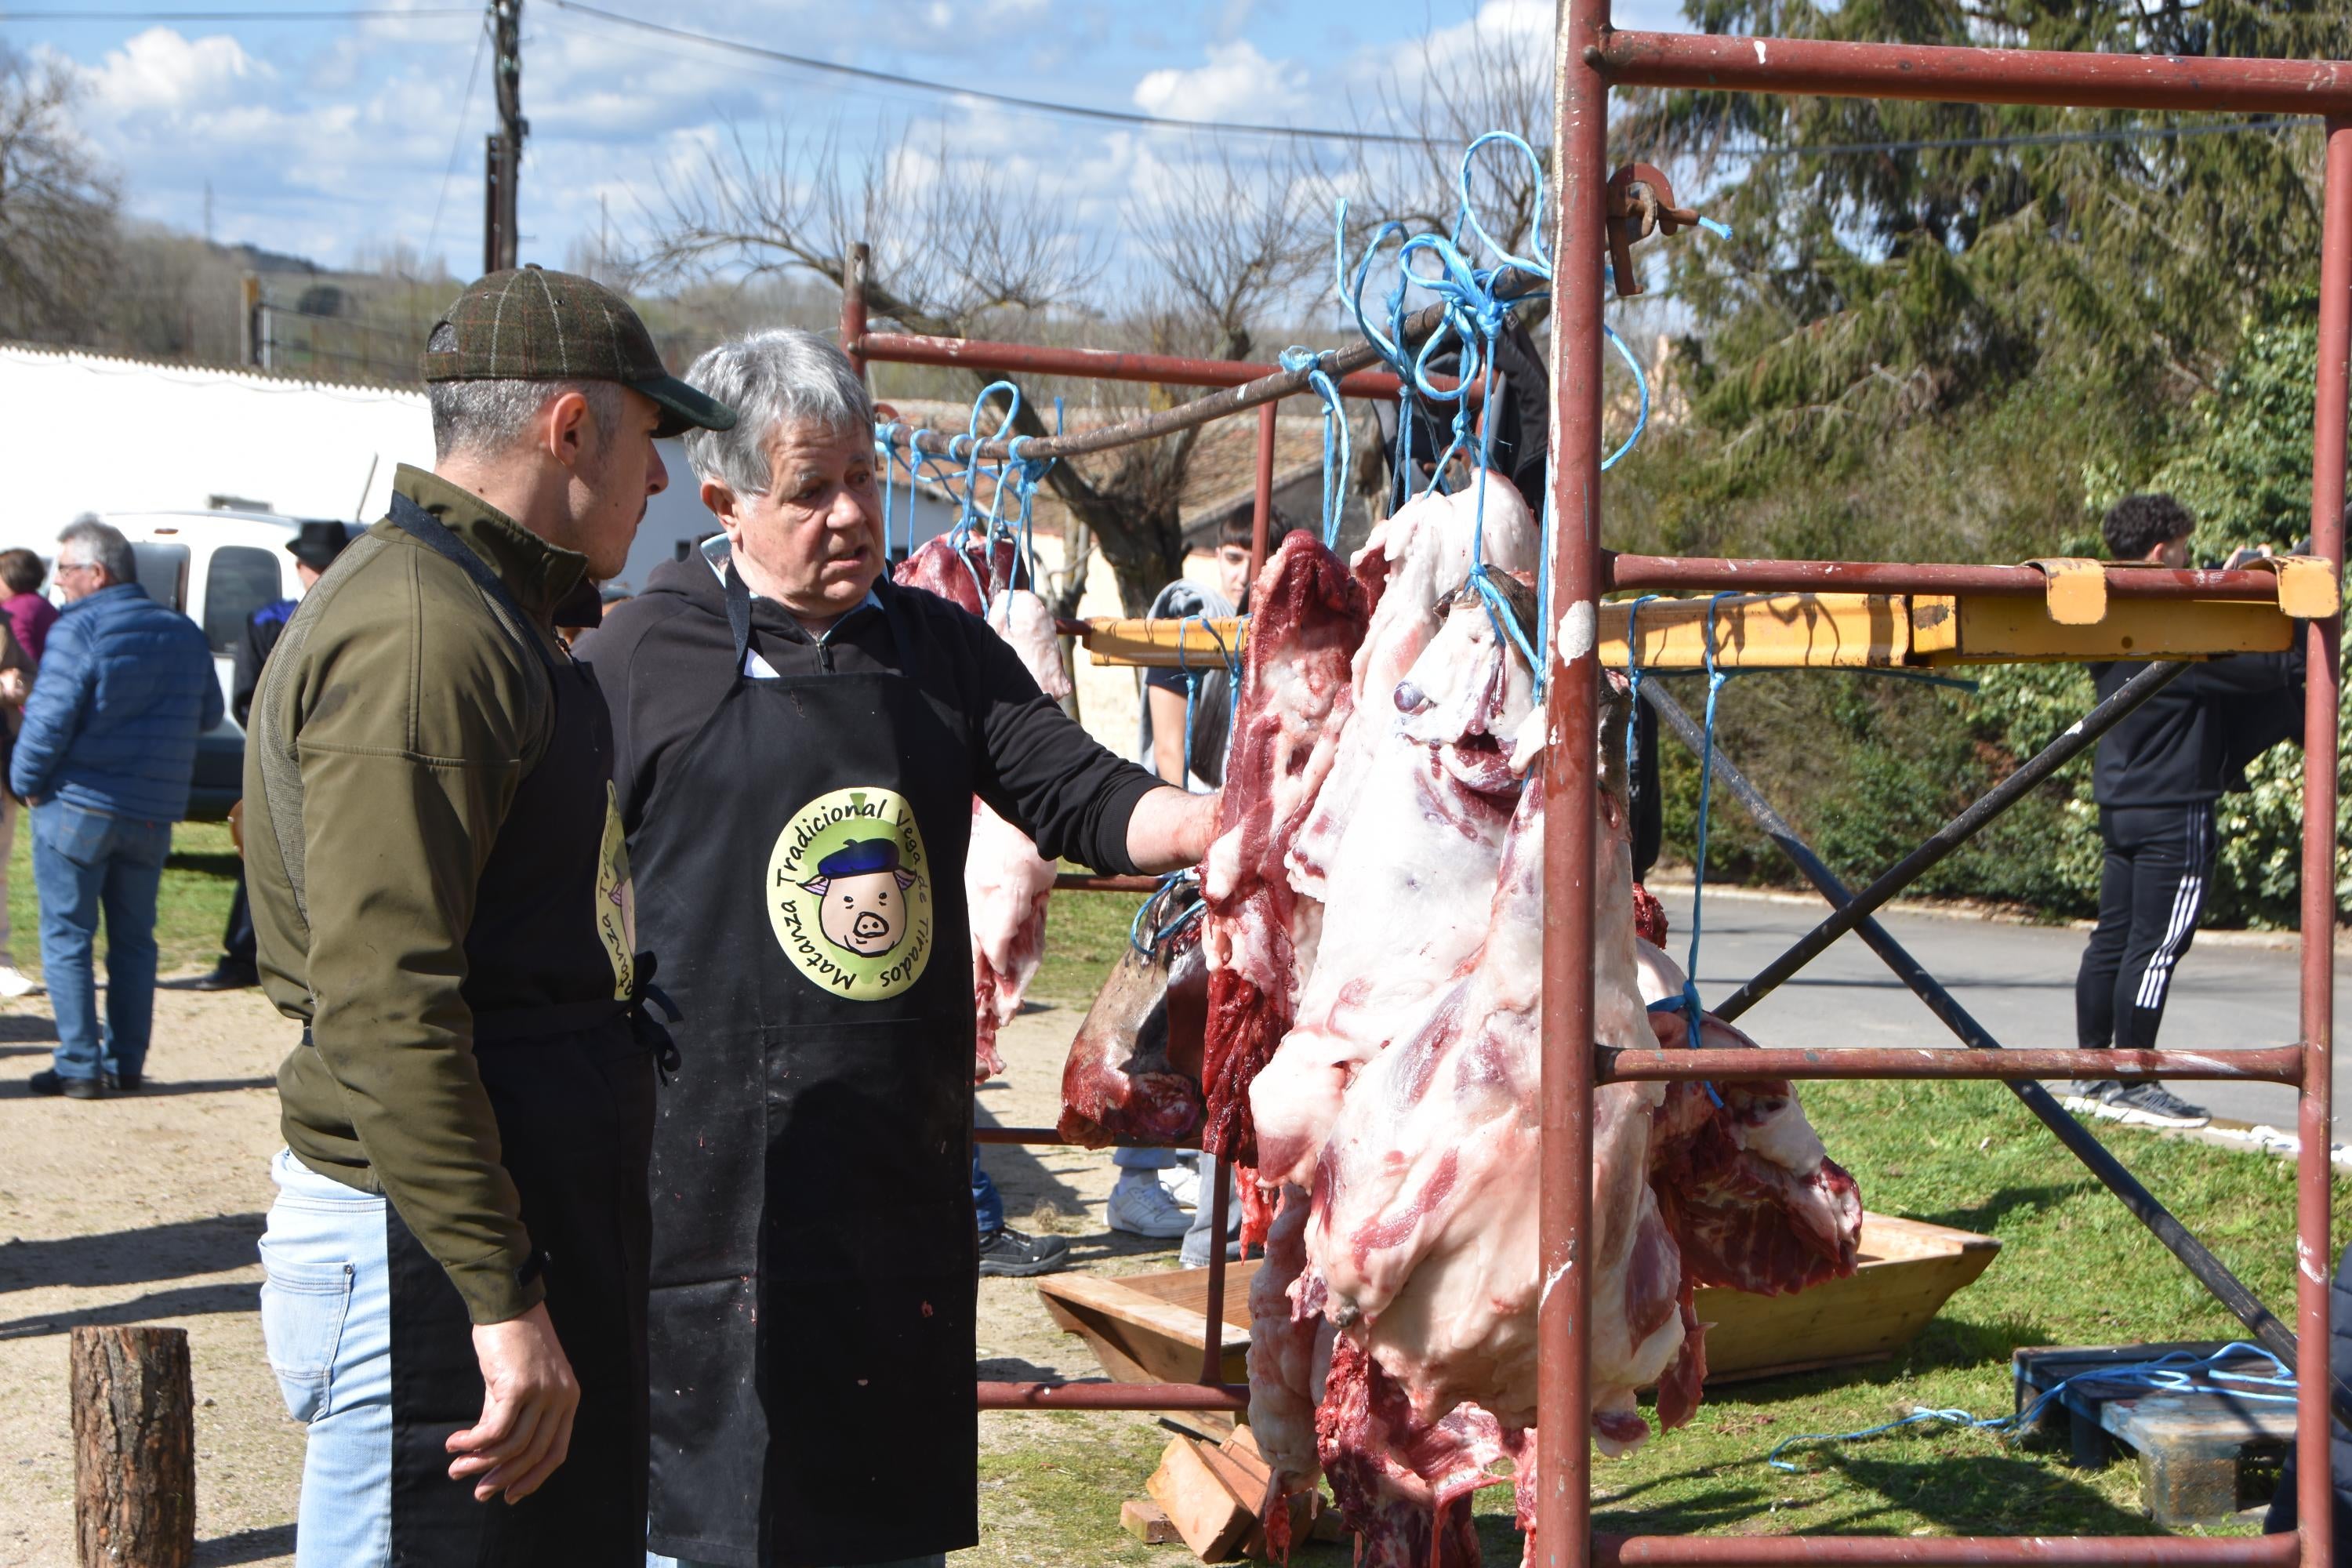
(355, 14)
(2027, 138)
(1325, 133)
(951, 90)
(457, 143)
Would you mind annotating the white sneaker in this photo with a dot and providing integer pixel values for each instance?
(1183, 1185)
(15, 983)
(1139, 1205)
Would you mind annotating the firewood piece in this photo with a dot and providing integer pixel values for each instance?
(1146, 1521)
(134, 1432)
(1213, 1520)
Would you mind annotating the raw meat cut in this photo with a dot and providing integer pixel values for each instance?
(970, 578)
(1007, 885)
(1413, 886)
(1410, 564)
(1133, 1074)
(1403, 1483)
(1307, 618)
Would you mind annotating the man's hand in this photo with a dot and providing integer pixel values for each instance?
(1172, 829)
(14, 687)
(528, 1398)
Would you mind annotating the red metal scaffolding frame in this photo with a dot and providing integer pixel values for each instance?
(1591, 55)
(1592, 58)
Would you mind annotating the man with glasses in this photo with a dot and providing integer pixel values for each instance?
(104, 759)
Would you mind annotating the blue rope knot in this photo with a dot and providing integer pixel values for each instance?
(1155, 904)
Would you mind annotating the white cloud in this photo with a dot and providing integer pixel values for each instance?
(161, 71)
(1237, 82)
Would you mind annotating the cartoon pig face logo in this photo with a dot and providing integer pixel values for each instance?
(862, 896)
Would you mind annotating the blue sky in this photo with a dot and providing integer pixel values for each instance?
(331, 138)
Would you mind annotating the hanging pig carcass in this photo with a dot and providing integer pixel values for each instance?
(1008, 885)
(1413, 1282)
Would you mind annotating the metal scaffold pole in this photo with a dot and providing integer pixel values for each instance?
(2315, 1255)
(1563, 1328)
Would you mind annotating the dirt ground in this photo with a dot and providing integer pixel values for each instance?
(145, 1209)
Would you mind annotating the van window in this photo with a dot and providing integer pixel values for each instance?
(239, 581)
(164, 573)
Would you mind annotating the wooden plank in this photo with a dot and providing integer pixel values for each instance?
(1147, 1522)
(1118, 1299)
(1207, 1513)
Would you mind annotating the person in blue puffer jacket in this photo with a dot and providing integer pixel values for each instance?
(104, 758)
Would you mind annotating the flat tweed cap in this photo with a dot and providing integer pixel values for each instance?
(531, 325)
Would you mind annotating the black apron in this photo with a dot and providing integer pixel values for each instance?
(572, 1084)
(816, 1262)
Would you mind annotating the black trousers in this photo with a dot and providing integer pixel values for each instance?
(238, 939)
(2152, 888)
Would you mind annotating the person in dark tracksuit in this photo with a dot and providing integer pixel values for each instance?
(798, 740)
(2158, 776)
(454, 1270)
(314, 548)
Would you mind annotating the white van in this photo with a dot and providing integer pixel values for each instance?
(216, 568)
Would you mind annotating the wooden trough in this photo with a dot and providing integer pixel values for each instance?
(1147, 1328)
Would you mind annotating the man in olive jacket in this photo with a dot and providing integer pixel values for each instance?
(455, 1267)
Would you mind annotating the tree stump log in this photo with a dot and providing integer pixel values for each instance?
(134, 1449)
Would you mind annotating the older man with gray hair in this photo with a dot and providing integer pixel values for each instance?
(800, 740)
(105, 757)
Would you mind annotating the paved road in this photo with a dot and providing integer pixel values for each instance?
(2018, 981)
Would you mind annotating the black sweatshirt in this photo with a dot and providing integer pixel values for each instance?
(2193, 739)
(665, 660)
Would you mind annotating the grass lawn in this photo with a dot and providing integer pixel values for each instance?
(191, 907)
(2074, 1269)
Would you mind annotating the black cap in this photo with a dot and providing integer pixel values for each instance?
(531, 325)
(316, 544)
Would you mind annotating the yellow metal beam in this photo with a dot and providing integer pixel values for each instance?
(2004, 630)
(1836, 631)
(1763, 631)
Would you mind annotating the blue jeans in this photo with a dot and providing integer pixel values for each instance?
(326, 1318)
(85, 863)
(987, 1203)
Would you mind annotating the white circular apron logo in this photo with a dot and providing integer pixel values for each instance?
(849, 894)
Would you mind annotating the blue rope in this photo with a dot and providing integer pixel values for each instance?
(2173, 1372)
(1192, 679)
(1336, 437)
(1689, 1002)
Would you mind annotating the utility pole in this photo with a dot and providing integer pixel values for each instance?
(505, 152)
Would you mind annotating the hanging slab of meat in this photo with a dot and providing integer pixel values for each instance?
(1413, 888)
(1307, 619)
(1424, 1239)
(1290, 1350)
(1410, 564)
(970, 579)
(1133, 1074)
(1007, 885)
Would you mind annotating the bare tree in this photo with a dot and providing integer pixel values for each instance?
(1492, 72)
(956, 245)
(57, 205)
